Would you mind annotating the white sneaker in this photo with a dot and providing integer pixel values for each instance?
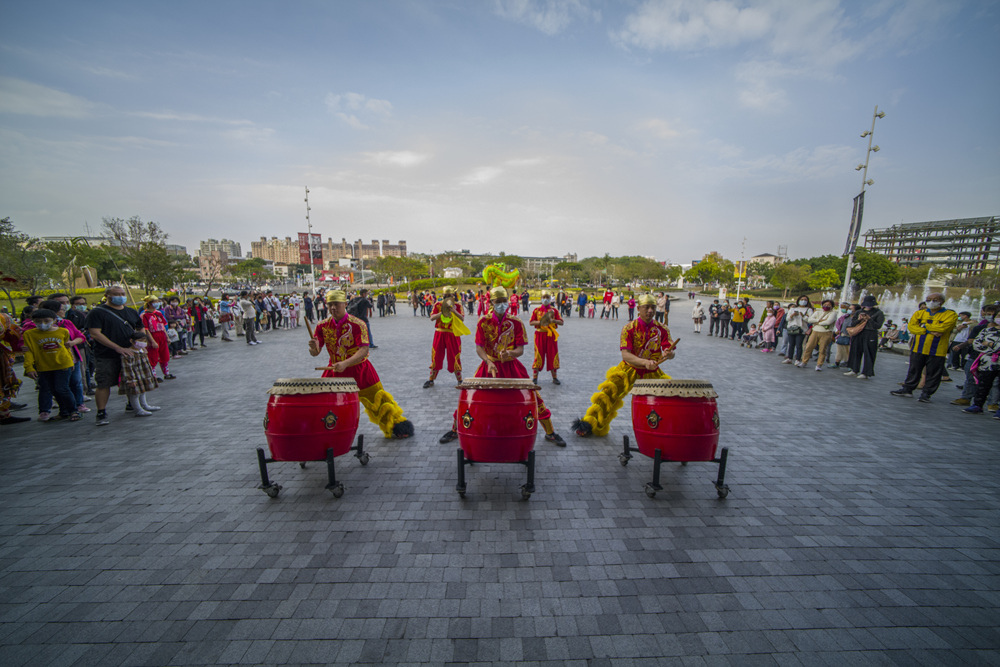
(151, 408)
(799, 364)
(787, 361)
(819, 368)
(850, 373)
(862, 376)
(142, 413)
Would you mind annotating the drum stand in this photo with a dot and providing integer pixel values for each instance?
(526, 489)
(336, 488)
(652, 487)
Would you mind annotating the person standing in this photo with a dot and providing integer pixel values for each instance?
(448, 319)
(581, 302)
(823, 323)
(713, 318)
(48, 359)
(698, 315)
(986, 348)
(842, 339)
(631, 307)
(929, 329)
(986, 315)
(663, 309)
(111, 326)
(739, 320)
(797, 328)
(10, 338)
(225, 317)
(199, 321)
(864, 340)
(546, 319)
(156, 324)
(725, 317)
(249, 312)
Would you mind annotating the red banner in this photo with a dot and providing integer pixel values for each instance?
(305, 250)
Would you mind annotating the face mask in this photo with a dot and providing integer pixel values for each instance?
(803, 302)
(44, 326)
(843, 310)
(81, 308)
(996, 320)
(118, 300)
(500, 308)
(933, 305)
(156, 305)
(827, 308)
(140, 345)
(546, 301)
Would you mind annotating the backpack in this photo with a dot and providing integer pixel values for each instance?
(354, 307)
(750, 313)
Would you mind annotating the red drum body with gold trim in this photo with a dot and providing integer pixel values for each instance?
(307, 416)
(678, 417)
(497, 419)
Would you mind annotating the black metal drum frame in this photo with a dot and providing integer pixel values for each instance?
(272, 488)
(526, 489)
(658, 458)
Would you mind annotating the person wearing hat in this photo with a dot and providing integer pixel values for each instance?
(930, 329)
(345, 338)
(644, 344)
(449, 326)
(698, 316)
(156, 324)
(500, 340)
(546, 319)
(864, 344)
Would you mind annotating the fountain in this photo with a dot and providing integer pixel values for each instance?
(898, 307)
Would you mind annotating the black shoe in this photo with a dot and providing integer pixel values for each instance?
(128, 407)
(428, 384)
(902, 392)
(373, 347)
(448, 437)
(556, 438)
(102, 418)
(14, 420)
(924, 398)
(556, 381)
(18, 406)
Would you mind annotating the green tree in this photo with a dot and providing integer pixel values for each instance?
(790, 276)
(66, 261)
(914, 275)
(824, 278)
(253, 271)
(762, 270)
(22, 260)
(875, 269)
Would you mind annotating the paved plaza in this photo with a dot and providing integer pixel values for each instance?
(861, 529)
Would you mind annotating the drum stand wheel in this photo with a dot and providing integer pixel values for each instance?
(721, 488)
(272, 489)
(526, 489)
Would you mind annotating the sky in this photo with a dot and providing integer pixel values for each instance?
(664, 128)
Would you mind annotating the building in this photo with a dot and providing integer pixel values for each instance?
(359, 250)
(231, 248)
(967, 245)
(92, 241)
(766, 258)
(276, 250)
(176, 250)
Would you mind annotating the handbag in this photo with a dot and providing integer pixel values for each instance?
(843, 340)
(856, 329)
(226, 317)
(794, 329)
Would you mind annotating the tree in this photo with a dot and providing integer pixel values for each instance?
(790, 276)
(915, 275)
(22, 259)
(212, 269)
(762, 270)
(823, 279)
(66, 261)
(875, 269)
(253, 271)
(142, 245)
(704, 272)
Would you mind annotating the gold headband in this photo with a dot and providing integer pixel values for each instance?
(336, 296)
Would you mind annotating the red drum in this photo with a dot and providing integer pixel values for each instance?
(497, 419)
(307, 416)
(678, 417)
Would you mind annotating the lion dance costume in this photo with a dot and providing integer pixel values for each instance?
(342, 339)
(449, 326)
(646, 341)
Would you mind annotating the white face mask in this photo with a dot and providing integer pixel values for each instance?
(44, 326)
(934, 305)
(140, 345)
(803, 302)
(996, 320)
(546, 300)
(500, 308)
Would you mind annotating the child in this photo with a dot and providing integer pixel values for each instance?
(156, 324)
(590, 309)
(767, 331)
(750, 338)
(47, 360)
(174, 340)
(137, 377)
(285, 315)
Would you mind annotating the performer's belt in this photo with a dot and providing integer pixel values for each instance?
(443, 330)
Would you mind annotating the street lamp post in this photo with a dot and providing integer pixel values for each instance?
(865, 181)
(312, 264)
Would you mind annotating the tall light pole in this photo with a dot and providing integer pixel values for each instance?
(309, 242)
(859, 202)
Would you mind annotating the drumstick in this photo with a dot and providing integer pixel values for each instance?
(309, 328)
(324, 368)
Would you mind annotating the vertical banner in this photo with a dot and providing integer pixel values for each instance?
(311, 249)
(855, 231)
(740, 269)
(304, 248)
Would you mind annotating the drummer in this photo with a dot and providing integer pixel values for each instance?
(449, 325)
(546, 319)
(346, 340)
(500, 341)
(645, 344)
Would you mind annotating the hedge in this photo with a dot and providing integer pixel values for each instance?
(46, 292)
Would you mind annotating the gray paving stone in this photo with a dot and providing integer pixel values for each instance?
(860, 529)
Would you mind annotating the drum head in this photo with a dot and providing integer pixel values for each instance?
(295, 386)
(683, 388)
(498, 383)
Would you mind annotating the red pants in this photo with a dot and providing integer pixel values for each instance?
(161, 354)
(546, 352)
(446, 344)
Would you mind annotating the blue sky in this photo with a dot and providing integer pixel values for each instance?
(667, 128)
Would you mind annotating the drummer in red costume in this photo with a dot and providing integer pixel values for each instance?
(545, 319)
(345, 338)
(645, 344)
(500, 341)
(449, 325)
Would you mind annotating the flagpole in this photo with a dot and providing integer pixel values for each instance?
(855, 229)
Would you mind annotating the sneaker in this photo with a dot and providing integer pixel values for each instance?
(787, 361)
(142, 413)
(169, 376)
(961, 401)
(862, 376)
(102, 418)
(924, 398)
(556, 381)
(448, 437)
(151, 408)
(833, 365)
(82, 408)
(556, 438)
(947, 378)
(19, 406)
(44, 416)
(850, 373)
(902, 392)
(158, 379)
(87, 397)
(819, 368)
(993, 407)
(973, 410)
(428, 384)
(128, 407)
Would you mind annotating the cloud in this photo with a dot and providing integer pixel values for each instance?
(31, 99)
(350, 107)
(189, 117)
(801, 164)
(249, 135)
(659, 128)
(111, 73)
(397, 158)
(690, 24)
(481, 176)
(548, 16)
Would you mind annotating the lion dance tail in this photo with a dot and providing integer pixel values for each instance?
(384, 412)
(608, 400)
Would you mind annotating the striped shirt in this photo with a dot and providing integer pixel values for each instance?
(923, 324)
